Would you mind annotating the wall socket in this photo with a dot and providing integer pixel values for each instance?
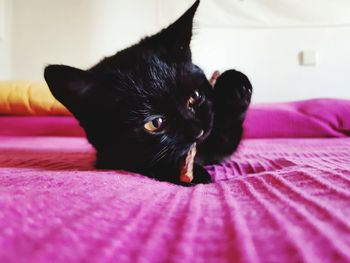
(308, 58)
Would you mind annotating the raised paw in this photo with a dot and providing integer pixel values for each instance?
(232, 92)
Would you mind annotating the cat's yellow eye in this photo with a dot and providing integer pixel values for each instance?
(194, 99)
(155, 125)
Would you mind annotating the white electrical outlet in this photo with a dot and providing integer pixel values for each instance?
(308, 58)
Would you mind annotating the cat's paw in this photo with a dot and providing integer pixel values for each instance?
(232, 92)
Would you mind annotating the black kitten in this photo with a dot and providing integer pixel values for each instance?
(148, 107)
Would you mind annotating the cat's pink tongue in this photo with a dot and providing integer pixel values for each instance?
(186, 167)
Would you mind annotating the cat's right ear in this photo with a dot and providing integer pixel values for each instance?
(176, 37)
(69, 85)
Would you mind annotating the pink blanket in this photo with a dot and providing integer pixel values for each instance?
(280, 198)
(275, 200)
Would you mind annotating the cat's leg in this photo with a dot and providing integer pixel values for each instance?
(231, 97)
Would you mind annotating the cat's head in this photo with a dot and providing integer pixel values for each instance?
(143, 107)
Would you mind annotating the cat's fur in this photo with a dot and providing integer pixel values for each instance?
(156, 77)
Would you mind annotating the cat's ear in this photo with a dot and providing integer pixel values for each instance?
(177, 36)
(69, 85)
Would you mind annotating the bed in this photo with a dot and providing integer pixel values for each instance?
(284, 196)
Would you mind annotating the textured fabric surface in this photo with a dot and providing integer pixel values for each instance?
(300, 119)
(276, 200)
(40, 126)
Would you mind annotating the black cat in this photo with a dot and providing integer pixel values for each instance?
(148, 108)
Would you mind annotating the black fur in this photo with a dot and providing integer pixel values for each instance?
(156, 77)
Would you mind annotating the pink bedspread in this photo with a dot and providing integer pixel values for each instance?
(276, 200)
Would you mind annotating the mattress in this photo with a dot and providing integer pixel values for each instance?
(284, 196)
(275, 200)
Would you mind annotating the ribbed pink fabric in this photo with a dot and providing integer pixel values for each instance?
(40, 126)
(276, 200)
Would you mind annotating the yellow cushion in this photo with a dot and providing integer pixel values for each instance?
(28, 98)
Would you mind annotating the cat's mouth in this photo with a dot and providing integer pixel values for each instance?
(186, 166)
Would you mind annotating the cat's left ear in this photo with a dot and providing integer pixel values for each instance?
(70, 86)
(177, 36)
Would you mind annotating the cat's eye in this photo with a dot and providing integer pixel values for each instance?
(194, 99)
(155, 125)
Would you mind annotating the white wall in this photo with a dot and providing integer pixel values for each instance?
(74, 32)
(262, 39)
(5, 39)
(270, 58)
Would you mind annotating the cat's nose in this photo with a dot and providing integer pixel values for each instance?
(200, 134)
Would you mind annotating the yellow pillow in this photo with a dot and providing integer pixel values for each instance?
(28, 98)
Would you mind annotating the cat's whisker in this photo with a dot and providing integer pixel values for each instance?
(160, 155)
